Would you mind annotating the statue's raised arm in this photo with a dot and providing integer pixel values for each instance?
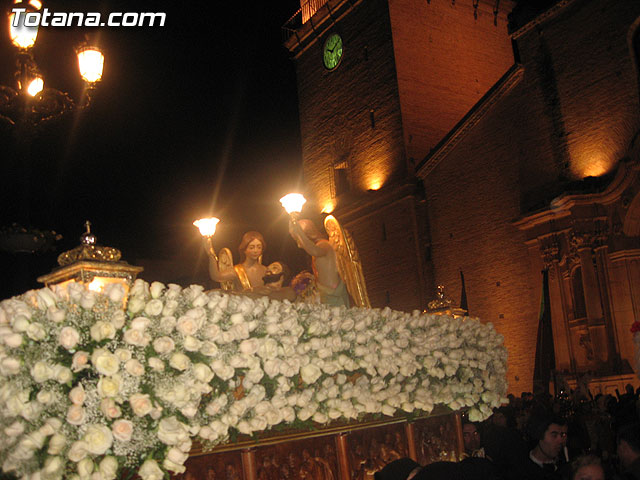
(348, 261)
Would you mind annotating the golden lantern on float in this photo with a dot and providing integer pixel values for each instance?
(92, 265)
(443, 305)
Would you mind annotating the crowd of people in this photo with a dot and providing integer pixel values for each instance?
(567, 437)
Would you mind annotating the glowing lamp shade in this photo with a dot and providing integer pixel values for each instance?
(90, 63)
(21, 35)
(207, 226)
(36, 86)
(293, 202)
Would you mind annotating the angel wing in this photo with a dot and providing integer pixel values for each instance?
(349, 264)
(225, 262)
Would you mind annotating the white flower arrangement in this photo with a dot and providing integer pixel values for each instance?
(88, 390)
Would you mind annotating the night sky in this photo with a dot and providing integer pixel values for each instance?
(195, 118)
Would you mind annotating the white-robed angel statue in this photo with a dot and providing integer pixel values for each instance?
(336, 264)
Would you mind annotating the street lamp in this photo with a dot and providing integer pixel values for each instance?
(29, 100)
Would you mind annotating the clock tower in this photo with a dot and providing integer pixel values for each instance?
(380, 84)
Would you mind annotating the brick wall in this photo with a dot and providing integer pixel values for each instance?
(574, 113)
(446, 58)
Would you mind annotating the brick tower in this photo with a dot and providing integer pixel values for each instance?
(380, 83)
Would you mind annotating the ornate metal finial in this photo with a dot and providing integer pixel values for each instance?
(88, 238)
(89, 250)
(441, 302)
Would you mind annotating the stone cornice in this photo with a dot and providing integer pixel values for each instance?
(542, 18)
(561, 206)
(477, 112)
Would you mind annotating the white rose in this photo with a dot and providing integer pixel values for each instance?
(123, 355)
(179, 361)
(56, 444)
(140, 404)
(77, 395)
(172, 432)
(156, 289)
(310, 373)
(52, 467)
(98, 439)
(122, 430)
(135, 305)
(139, 288)
(56, 315)
(347, 324)
(268, 349)
(14, 430)
(163, 345)
(150, 471)
(320, 417)
(109, 386)
(187, 325)
(305, 413)
(288, 414)
(105, 362)
(109, 408)
(211, 331)
(202, 373)
(36, 332)
(68, 338)
(118, 319)
(41, 372)
(154, 307)
(192, 344)
(13, 340)
(156, 364)
(177, 456)
(225, 372)
(76, 415)
(140, 323)
(10, 366)
(137, 337)
(115, 292)
(63, 374)
(173, 467)
(55, 424)
(78, 451)
(102, 330)
(85, 467)
(80, 361)
(88, 300)
(134, 367)
(249, 346)
(109, 467)
(20, 324)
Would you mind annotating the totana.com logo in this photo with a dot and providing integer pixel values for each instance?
(46, 18)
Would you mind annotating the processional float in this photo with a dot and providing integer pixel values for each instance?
(114, 378)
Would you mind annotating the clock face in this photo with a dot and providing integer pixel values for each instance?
(332, 51)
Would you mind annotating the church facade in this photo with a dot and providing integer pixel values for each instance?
(493, 138)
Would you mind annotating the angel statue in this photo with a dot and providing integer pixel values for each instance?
(245, 276)
(336, 264)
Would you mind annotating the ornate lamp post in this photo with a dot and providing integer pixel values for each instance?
(29, 100)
